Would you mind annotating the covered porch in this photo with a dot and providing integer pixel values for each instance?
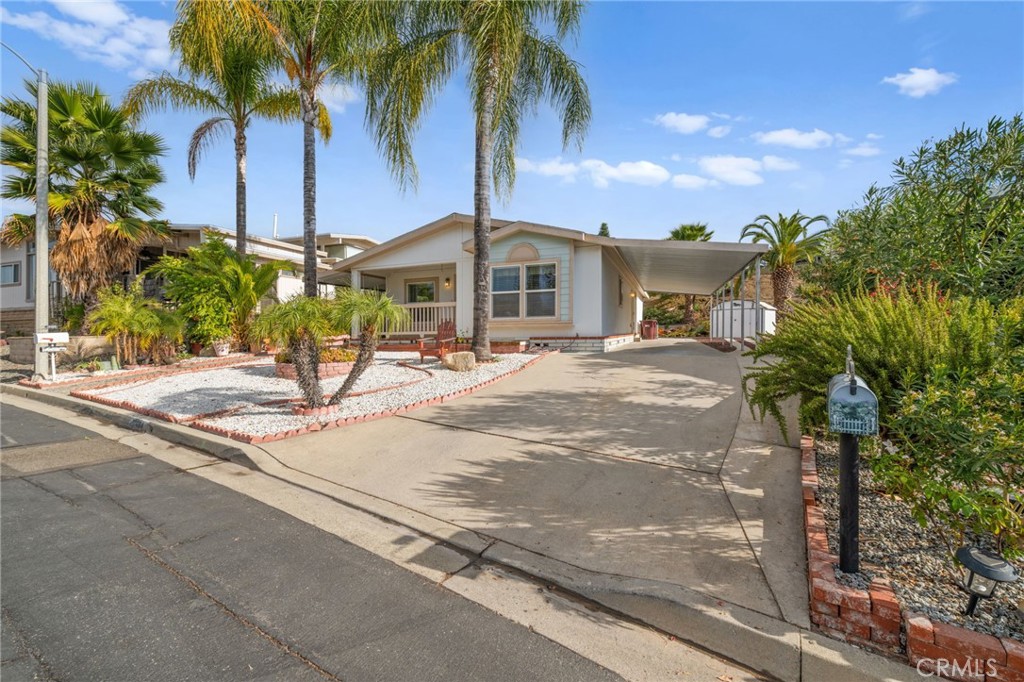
(427, 292)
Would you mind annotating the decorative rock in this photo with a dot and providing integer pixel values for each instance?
(460, 362)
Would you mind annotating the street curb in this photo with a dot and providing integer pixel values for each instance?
(768, 645)
(133, 421)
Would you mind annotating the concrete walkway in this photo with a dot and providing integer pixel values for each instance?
(627, 464)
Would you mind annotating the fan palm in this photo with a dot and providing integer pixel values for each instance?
(511, 66)
(317, 43)
(373, 311)
(234, 93)
(788, 244)
(690, 232)
(102, 171)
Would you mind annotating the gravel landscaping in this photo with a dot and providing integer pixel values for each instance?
(242, 390)
(894, 546)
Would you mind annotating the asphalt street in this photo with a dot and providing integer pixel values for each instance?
(117, 566)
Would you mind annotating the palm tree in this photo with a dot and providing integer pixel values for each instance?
(512, 65)
(234, 93)
(690, 232)
(102, 172)
(789, 244)
(373, 311)
(301, 324)
(315, 42)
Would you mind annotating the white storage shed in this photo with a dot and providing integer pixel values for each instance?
(735, 319)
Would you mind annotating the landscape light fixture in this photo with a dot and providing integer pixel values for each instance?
(985, 570)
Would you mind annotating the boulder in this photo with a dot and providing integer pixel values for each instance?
(460, 362)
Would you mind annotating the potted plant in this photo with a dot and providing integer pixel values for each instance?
(209, 324)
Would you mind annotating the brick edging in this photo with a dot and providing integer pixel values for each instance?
(873, 618)
(194, 421)
(142, 373)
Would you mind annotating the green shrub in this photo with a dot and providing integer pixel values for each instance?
(135, 324)
(898, 342)
(956, 454)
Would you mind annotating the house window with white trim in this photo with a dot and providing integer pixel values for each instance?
(524, 291)
(10, 274)
(420, 292)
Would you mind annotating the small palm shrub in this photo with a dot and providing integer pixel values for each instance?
(898, 342)
(136, 324)
(374, 311)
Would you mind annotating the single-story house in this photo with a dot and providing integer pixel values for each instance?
(549, 285)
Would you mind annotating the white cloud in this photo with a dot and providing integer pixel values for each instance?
(917, 82)
(874, 136)
(686, 124)
(843, 139)
(632, 172)
(863, 149)
(600, 173)
(336, 96)
(551, 168)
(719, 131)
(914, 10)
(675, 157)
(104, 31)
(732, 170)
(845, 163)
(777, 163)
(797, 139)
(686, 181)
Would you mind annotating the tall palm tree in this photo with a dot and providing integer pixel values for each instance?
(316, 42)
(102, 172)
(690, 232)
(234, 93)
(789, 244)
(511, 66)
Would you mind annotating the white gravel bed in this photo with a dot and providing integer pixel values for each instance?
(260, 421)
(893, 545)
(188, 395)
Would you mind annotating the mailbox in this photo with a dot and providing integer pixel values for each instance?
(852, 406)
(53, 337)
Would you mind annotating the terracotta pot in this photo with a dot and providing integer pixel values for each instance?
(196, 348)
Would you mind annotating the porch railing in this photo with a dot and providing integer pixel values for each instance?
(424, 318)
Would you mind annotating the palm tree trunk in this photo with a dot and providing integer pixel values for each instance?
(309, 113)
(783, 278)
(688, 312)
(367, 348)
(241, 236)
(306, 358)
(482, 228)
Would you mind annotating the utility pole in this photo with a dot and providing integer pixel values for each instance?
(42, 262)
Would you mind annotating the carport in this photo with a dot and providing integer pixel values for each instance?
(702, 268)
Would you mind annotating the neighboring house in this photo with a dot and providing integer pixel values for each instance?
(17, 313)
(549, 285)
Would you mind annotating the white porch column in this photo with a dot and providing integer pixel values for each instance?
(464, 296)
(356, 286)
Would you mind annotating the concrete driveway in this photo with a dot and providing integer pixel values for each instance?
(642, 464)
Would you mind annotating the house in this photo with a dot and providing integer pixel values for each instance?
(549, 285)
(17, 263)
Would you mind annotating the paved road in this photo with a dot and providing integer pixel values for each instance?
(128, 569)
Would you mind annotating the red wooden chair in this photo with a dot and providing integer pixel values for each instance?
(440, 346)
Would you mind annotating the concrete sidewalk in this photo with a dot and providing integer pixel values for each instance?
(635, 478)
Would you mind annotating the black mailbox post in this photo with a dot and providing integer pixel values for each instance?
(852, 412)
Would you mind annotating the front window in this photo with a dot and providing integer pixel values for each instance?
(524, 291)
(10, 274)
(505, 292)
(420, 292)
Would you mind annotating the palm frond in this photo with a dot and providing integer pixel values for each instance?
(203, 137)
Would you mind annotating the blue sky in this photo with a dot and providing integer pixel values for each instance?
(712, 112)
